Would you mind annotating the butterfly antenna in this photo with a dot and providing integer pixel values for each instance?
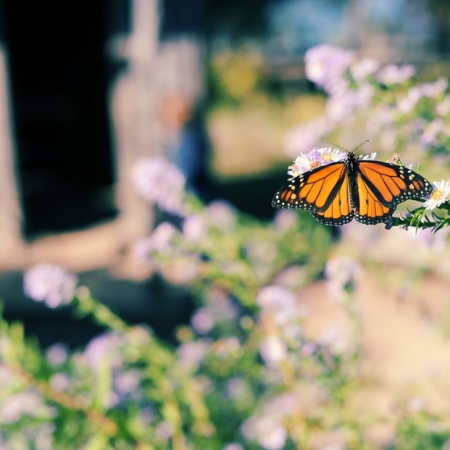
(338, 146)
(360, 145)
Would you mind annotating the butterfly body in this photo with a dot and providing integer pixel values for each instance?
(366, 190)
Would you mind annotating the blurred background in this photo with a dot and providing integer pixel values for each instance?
(88, 88)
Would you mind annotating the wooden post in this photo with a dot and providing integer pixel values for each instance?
(11, 243)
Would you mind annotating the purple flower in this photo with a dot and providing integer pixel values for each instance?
(127, 382)
(407, 103)
(393, 74)
(306, 162)
(275, 298)
(308, 348)
(57, 354)
(281, 308)
(343, 105)
(381, 119)
(270, 433)
(192, 353)
(302, 138)
(273, 350)
(325, 65)
(203, 320)
(314, 158)
(430, 240)
(159, 181)
(20, 404)
(341, 273)
(431, 132)
(363, 68)
(164, 431)
(283, 405)
(222, 214)
(233, 446)
(237, 388)
(443, 107)
(336, 340)
(285, 219)
(435, 89)
(50, 284)
(261, 252)
(60, 382)
(220, 305)
(159, 241)
(195, 227)
(104, 347)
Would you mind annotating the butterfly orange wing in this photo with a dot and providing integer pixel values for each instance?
(382, 186)
(323, 191)
(340, 210)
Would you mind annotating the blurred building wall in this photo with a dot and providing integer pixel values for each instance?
(146, 72)
(10, 209)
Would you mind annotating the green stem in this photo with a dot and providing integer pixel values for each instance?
(86, 305)
(105, 424)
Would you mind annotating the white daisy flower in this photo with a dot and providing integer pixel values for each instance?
(331, 155)
(370, 157)
(439, 195)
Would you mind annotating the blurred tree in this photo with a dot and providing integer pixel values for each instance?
(181, 17)
(440, 12)
(237, 18)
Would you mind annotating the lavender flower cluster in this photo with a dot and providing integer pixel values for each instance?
(384, 102)
(159, 182)
(51, 284)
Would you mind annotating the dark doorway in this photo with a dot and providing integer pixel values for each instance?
(59, 77)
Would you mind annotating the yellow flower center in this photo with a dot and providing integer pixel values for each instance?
(437, 194)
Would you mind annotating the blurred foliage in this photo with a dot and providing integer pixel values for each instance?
(236, 77)
(243, 374)
(422, 430)
(247, 119)
(127, 389)
(249, 138)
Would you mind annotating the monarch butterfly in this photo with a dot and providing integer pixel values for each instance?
(366, 190)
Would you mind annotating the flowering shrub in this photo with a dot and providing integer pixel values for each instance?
(392, 111)
(383, 103)
(245, 374)
(51, 284)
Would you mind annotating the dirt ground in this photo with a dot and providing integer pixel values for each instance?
(405, 353)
